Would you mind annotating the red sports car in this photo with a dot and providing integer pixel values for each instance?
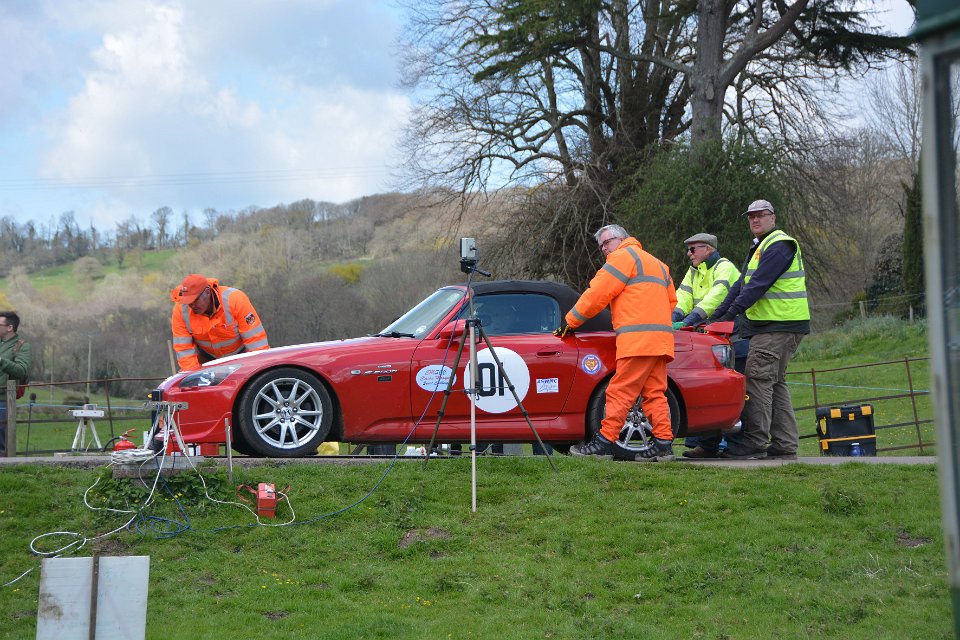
(389, 387)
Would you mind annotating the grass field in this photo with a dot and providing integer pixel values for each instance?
(861, 342)
(595, 550)
(62, 279)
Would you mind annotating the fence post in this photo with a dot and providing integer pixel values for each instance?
(911, 314)
(813, 382)
(913, 399)
(863, 309)
(106, 392)
(11, 440)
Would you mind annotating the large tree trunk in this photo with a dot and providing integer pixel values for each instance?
(706, 103)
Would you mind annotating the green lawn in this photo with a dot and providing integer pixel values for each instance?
(62, 278)
(866, 342)
(595, 550)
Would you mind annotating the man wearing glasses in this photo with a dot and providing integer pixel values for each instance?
(210, 321)
(706, 284)
(704, 287)
(639, 291)
(16, 358)
(772, 295)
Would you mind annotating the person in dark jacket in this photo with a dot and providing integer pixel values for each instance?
(772, 296)
(16, 358)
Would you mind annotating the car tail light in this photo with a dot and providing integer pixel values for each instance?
(724, 355)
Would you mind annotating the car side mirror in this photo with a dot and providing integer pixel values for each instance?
(453, 330)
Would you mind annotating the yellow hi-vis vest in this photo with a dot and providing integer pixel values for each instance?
(786, 299)
(704, 288)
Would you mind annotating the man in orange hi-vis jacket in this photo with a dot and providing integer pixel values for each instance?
(210, 321)
(639, 291)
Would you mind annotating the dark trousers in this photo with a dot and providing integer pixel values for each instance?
(3, 428)
(768, 413)
(715, 441)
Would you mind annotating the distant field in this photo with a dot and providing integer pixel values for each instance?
(62, 279)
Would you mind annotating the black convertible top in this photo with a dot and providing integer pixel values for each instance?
(565, 296)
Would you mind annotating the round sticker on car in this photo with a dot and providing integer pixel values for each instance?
(434, 378)
(591, 363)
(493, 394)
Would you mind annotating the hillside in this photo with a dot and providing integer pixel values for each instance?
(374, 257)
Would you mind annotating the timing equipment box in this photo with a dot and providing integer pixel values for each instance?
(838, 428)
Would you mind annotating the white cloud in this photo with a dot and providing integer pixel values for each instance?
(210, 104)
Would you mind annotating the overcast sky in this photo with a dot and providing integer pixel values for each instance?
(113, 108)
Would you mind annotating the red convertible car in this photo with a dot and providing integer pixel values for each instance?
(389, 387)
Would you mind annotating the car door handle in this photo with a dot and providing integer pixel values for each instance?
(547, 353)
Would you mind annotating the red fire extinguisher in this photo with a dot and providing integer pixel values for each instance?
(123, 444)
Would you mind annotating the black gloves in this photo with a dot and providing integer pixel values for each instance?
(563, 330)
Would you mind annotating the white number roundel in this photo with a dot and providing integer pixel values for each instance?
(494, 395)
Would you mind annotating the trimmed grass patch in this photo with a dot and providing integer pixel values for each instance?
(597, 550)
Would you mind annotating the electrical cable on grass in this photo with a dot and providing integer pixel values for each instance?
(79, 540)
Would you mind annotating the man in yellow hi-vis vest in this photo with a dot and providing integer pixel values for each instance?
(706, 283)
(772, 295)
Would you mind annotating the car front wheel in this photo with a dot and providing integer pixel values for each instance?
(285, 413)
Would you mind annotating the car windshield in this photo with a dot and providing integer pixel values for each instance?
(425, 316)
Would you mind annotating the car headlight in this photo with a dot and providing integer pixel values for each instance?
(208, 377)
(724, 355)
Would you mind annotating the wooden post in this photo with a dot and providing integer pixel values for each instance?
(911, 314)
(11, 441)
(173, 359)
(863, 309)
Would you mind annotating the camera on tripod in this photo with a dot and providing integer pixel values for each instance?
(468, 257)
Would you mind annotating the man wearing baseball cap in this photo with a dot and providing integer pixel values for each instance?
(210, 321)
(772, 296)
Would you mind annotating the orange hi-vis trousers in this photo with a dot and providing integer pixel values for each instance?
(638, 376)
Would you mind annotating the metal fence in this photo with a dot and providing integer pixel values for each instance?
(891, 401)
(50, 417)
(120, 414)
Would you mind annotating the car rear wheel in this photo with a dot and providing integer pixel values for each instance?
(636, 423)
(285, 413)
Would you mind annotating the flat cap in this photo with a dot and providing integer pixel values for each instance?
(760, 205)
(705, 238)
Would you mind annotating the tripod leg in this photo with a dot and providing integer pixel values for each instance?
(446, 395)
(513, 390)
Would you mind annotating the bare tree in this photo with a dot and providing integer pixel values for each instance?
(893, 108)
(573, 93)
(161, 218)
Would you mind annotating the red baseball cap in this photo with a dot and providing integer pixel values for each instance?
(191, 287)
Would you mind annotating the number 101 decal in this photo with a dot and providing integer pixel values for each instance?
(493, 394)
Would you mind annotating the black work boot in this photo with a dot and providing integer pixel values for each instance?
(599, 447)
(656, 450)
(700, 452)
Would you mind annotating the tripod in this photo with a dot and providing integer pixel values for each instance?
(472, 329)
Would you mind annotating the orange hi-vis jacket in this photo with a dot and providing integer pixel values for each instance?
(234, 328)
(640, 293)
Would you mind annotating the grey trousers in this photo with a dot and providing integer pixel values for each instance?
(768, 412)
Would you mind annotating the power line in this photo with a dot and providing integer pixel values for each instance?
(193, 178)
